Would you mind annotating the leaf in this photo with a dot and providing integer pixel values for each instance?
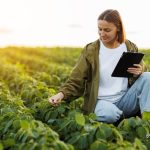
(132, 122)
(35, 134)
(24, 137)
(24, 124)
(20, 134)
(107, 130)
(61, 110)
(9, 142)
(141, 131)
(118, 135)
(92, 116)
(51, 121)
(74, 139)
(8, 125)
(100, 134)
(54, 114)
(64, 124)
(16, 124)
(139, 145)
(1, 146)
(97, 145)
(80, 119)
(83, 141)
(146, 115)
(89, 128)
(59, 145)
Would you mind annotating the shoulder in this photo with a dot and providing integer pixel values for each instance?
(92, 47)
(131, 46)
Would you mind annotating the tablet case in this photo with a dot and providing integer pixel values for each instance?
(126, 60)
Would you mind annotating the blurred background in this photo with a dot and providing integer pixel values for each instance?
(68, 22)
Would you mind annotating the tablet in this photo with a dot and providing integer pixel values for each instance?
(126, 60)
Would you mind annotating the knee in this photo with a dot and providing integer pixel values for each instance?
(108, 112)
(112, 117)
(146, 76)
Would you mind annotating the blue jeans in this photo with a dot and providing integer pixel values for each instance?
(137, 98)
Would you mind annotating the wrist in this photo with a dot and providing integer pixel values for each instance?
(61, 95)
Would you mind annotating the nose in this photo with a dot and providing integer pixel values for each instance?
(102, 33)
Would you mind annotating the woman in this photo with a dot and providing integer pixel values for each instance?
(108, 97)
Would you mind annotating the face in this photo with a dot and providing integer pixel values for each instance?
(107, 32)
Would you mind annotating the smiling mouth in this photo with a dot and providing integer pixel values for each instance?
(103, 38)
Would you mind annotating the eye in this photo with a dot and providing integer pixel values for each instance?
(107, 30)
(99, 29)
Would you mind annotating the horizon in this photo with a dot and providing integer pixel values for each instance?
(67, 23)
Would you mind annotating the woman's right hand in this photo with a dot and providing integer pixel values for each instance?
(56, 99)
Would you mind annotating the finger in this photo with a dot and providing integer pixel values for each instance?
(56, 101)
(56, 104)
(134, 70)
(52, 101)
(137, 65)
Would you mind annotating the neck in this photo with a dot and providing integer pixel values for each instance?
(112, 45)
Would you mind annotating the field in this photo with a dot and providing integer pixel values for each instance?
(28, 76)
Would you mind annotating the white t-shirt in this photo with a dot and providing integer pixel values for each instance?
(111, 88)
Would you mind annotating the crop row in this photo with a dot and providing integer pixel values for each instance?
(19, 130)
(28, 76)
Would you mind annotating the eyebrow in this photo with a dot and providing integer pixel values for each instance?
(104, 28)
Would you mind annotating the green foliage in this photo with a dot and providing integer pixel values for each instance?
(80, 119)
(146, 115)
(28, 77)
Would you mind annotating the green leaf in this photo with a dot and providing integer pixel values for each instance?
(132, 122)
(74, 139)
(80, 119)
(8, 125)
(117, 135)
(64, 124)
(59, 145)
(97, 145)
(61, 110)
(141, 131)
(83, 141)
(1, 146)
(100, 134)
(24, 137)
(16, 124)
(54, 114)
(107, 130)
(9, 142)
(146, 115)
(92, 116)
(139, 145)
(51, 121)
(89, 127)
(24, 124)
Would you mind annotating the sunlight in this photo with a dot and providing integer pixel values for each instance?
(67, 22)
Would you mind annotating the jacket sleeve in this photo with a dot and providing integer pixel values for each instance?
(75, 85)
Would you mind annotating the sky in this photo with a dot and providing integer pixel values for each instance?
(68, 22)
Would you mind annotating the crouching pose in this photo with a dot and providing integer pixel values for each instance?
(108, 97)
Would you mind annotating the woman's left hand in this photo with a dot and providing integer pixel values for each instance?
(136, 70)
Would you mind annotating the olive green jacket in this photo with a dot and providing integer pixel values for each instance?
(84, 79)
